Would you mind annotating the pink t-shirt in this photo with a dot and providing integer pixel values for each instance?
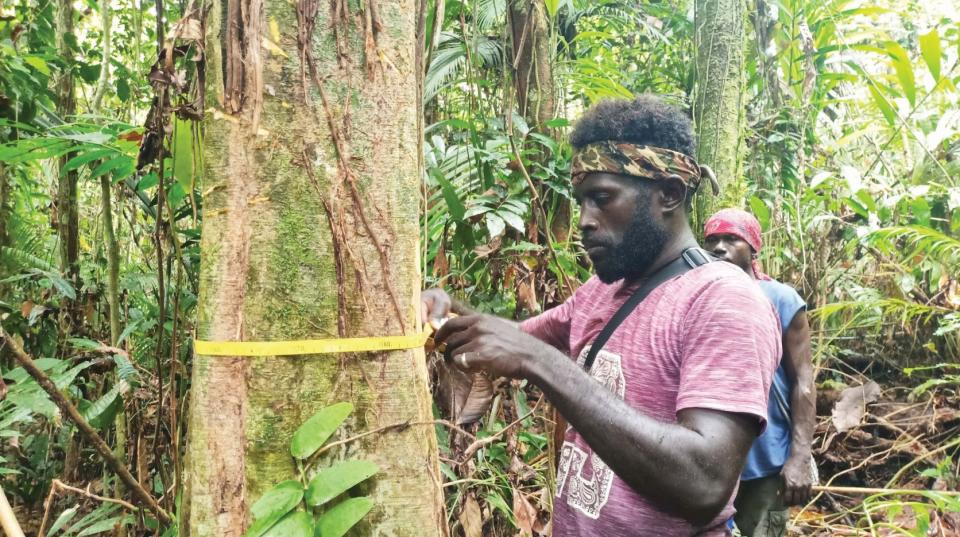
(706, 339)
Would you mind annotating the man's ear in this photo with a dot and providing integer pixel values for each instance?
(673, 193)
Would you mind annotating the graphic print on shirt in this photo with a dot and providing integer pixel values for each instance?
(588, 486)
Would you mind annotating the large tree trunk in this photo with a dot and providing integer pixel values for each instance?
(4, 206)
(68, 215)
(533, 52)
(718, 109)
(310, 230)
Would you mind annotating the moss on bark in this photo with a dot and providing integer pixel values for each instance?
(268, 272)
(718, 112)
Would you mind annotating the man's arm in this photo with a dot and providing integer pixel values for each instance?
(803, 412)
(689, 468)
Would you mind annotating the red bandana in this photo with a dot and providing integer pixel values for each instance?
(742, 224)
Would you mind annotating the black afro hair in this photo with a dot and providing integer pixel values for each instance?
(645, 120)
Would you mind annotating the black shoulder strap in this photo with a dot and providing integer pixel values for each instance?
(689, 259)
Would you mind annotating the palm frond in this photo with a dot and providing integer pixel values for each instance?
(907, 242)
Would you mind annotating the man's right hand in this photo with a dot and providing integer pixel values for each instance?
(435, 305)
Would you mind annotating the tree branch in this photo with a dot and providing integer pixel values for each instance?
(71, 411)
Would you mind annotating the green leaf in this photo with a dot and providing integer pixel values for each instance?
(62, 285)
(760, 210)
(182, 153)
(62, 520)
(552, 6)
(273, 505)
(316, 430)
(931, 51)
(450, 196)
(904, 69)
(106, 525)
(84, 158)
(883, 105)
(123, 89)
(337, 479)
(338, 521)
(116, 163)
(297, 524)
(100, 413)
(37, 63)
(514, 220)
(495, 225)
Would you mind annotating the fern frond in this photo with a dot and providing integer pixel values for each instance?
(908, 242)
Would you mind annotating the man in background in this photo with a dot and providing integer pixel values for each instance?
(779, 470)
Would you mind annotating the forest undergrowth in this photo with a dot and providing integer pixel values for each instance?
(850, 157)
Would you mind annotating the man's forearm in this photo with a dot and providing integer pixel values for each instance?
(803, 412)
(676, 467)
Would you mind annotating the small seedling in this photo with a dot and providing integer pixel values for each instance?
(295, 508)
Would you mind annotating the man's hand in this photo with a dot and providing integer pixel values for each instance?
(490, 344)
(797, 479)
(435, 304)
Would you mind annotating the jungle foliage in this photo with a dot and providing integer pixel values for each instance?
(851, 163)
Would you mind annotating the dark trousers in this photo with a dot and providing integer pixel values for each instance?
(760, 508)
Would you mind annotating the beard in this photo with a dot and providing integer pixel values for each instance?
(642, 242)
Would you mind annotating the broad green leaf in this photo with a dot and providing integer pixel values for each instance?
(19, 374)
(450, 196)
(495, 225)
(65, 517)
(338, 521)
(84, 158)
(123, 89)
(904, 69)
(760, 210)
(931, 51)
(883, 105)
(84, 343)
(297, 524)
(182, 153)
(499, 503)
(552, 6)
(101, 412)
(106, 525)
(273, 505)
(110, 165)
(475, 210)
(62, 285)
(514, 220)
(316, 430)
(37, 63)
(337, 479)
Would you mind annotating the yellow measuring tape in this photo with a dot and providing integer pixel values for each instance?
(310, 346)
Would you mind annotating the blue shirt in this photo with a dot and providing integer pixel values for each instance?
(771, 448)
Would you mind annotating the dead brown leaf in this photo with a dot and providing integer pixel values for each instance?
(527, 295)
(852, 405)
(525, 513)
(470, 517)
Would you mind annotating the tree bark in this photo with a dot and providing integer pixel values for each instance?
(533, 53)
(718, 109)
(4, 206)
(68, 219)
(113, 259)
(310, 230)
(106, 33)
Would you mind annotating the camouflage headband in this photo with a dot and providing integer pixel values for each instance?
(644, 161)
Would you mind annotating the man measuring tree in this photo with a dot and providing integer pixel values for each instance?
(672, 355)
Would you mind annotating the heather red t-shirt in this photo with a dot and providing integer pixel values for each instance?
(706, 339)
